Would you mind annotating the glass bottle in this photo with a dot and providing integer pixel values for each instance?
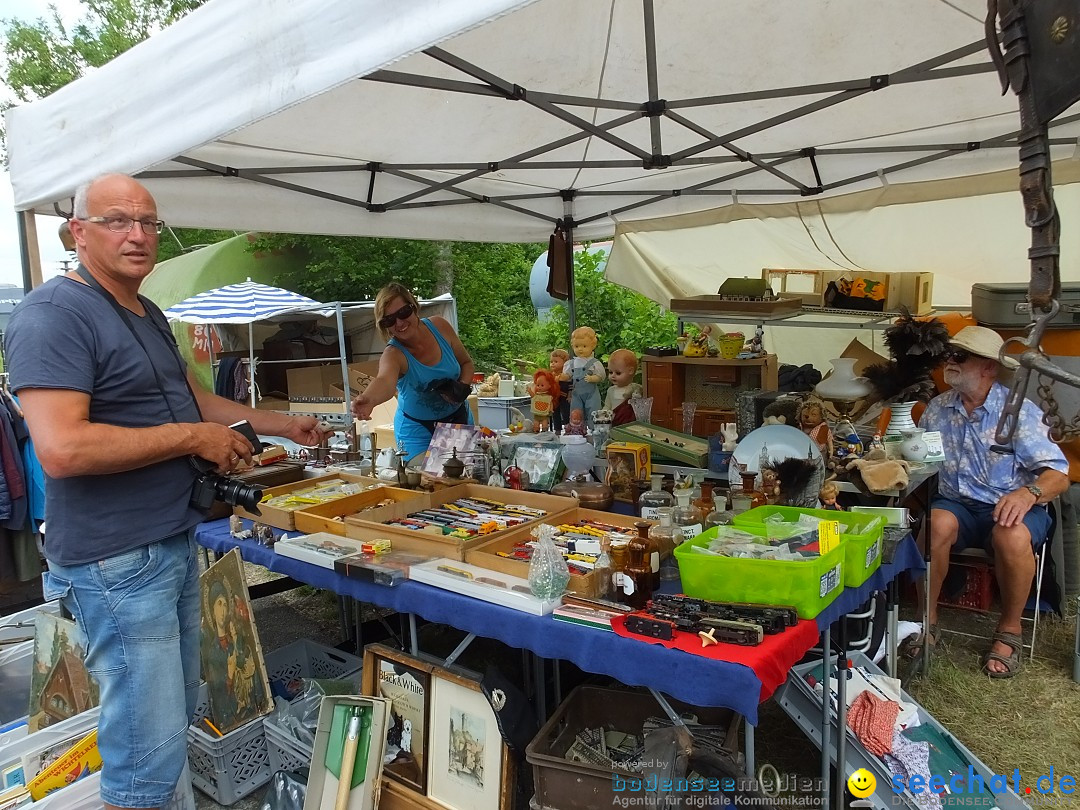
(705, 502)
(687, 517)
(749, 486)
(663, 533)
(720, 515)
(604, 571)
(656, 497)
(638, 578)
(618, 564)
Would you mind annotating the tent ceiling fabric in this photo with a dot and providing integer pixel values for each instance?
(465, 119)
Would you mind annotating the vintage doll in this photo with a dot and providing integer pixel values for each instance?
(622, 366)
(585, 371)
(828, 494)
(561, 414)
(545, 398)
(811, 418)
(577, 426)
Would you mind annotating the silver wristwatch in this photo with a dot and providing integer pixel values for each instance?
(1034, 490)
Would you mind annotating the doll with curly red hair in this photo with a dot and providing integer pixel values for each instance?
(545, 398)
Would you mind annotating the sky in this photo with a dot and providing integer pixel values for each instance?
(52, 253)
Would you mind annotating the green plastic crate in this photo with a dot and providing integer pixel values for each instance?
(808, 585)
(862, 543)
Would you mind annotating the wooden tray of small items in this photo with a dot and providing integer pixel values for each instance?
(284, 518)
(430, 539)
(490, 553)
(330, 516)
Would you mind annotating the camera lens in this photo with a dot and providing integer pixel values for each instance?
(237, 493)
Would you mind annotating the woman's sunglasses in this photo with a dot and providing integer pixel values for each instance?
(406, 312)
(958, 356)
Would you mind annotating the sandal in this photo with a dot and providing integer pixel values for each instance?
(911, 647)
(1012, 662)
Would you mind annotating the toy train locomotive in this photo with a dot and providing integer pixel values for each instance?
(730, 622)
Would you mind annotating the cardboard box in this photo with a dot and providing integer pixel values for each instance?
(806, 285)
(912, 290)
(627, 462)
(330, 516)
(486, 554)
(316, 381)
(372, 525)
(285, 518)
(322, 784)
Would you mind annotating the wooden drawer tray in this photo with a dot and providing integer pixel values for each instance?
(486, 553)
(372, 525)
(285, 518)
(330, 516)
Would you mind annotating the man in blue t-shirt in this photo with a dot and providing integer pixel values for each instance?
(115, 418)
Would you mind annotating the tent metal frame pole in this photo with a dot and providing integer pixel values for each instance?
(251, 362)
(350, 424)
(568, 231)
(652, 79)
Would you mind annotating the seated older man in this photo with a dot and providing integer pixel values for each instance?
(990, 496)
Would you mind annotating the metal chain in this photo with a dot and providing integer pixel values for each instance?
(1060, 431)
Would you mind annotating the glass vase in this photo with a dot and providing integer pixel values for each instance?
(688, 411)
(642, 407)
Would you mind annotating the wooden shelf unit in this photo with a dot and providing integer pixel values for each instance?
(711, 382)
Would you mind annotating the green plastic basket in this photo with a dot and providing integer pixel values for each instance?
(807, 585)
(861, 543)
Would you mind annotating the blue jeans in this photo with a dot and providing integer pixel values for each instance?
(139, 611)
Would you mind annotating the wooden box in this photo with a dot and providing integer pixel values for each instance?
(330, 516)
(486, 554)
(806, 285)
(285, 518)
(912, 290)
(372, 525)
(719, 305)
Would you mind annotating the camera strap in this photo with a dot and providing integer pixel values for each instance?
(152, 312)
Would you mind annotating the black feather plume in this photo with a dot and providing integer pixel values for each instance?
(916, 347)
(794, 475)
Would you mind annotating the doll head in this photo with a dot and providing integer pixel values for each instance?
(622, 366)
(828, 493)
(557, 360)
(544, 382)
(577, 416)
(583, 341)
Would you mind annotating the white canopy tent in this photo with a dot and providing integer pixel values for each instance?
(493, 119)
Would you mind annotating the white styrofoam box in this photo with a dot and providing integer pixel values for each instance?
(85, 795)
(16, 664)
(21, 624)
(78, 726)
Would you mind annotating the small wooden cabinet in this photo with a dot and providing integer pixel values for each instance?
(712, 382)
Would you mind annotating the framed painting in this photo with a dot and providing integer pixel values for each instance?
(469, 766)
(406, 682)
(60, 686)
(232, 658)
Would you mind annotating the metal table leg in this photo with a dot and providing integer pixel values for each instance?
(414, 644)
(841, 718)
(826, 710)
(892, 617)
(748, 735)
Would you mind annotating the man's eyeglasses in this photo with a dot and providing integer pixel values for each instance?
(403, 314)
(957, 356)
(125, 224)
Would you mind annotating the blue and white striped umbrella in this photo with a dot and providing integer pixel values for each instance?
(239, 303)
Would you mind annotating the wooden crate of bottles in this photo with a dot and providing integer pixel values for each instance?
(497, 553)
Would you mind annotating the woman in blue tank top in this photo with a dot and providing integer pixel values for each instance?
(424, 363)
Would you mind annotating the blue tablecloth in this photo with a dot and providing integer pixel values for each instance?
(690, 678)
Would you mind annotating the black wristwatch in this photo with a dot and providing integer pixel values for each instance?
(1034, 490)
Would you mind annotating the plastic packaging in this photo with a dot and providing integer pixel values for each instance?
(548, 572)
(287, 791)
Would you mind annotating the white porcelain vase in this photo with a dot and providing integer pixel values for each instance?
(578, 456)
(913, 447)
(900, 420)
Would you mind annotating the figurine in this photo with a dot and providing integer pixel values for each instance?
(770, 485)
(876, 443)
(757, 342)
(811, 418)
(577, 426)
(731, 436)
(561, 414)
(585, 371)
(828, 494)
(545, 398)
(622, 366)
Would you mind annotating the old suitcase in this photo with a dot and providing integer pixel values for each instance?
(1005, 305)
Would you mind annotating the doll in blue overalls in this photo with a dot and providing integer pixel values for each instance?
(585, 371)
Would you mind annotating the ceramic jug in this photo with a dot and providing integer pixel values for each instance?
(913, 448)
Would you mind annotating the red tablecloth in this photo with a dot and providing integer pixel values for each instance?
(769, 660)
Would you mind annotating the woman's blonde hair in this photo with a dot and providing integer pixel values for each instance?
(382, 301)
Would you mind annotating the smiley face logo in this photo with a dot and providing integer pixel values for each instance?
(861, 783)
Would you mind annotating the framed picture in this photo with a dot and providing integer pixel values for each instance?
(469, 766)
(60, 686)
(406, 681)
(232, 658)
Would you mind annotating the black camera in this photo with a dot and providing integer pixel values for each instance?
(210, 487)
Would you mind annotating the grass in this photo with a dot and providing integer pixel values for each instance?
(1030, 722)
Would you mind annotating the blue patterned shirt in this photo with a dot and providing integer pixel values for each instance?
(971, 469)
